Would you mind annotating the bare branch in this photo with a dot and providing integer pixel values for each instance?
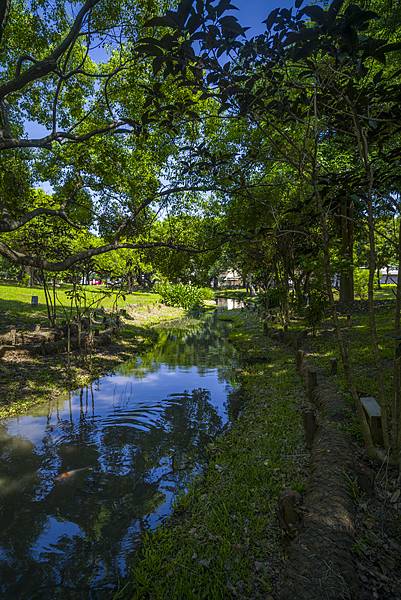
(5, 128)
(20, 62)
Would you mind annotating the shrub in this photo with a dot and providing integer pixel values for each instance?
(181, 295)
(25, 280)
(316, 309)
(361, 283)
(270, 299)
(207, 293)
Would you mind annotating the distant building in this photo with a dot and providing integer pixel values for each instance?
(229, 279)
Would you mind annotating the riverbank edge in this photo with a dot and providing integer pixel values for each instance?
(224, 538)
(56, 381)
(373, 486)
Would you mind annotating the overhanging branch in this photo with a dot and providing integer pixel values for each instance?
(116, 128)
(21, 259)
(8, 224)
(41, 68)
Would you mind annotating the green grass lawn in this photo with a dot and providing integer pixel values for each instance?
(365, 373)
(16, 309)
(386, 292)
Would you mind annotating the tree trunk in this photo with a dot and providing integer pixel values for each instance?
(372, 318)
(396, 407)
(347, 251)
(342, 344)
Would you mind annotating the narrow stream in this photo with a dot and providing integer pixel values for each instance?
(82, 479)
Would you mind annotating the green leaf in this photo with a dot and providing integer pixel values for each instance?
(316, 13)
(271, 18)
(166, 21)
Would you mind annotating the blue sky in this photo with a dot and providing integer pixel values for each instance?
(251, 13)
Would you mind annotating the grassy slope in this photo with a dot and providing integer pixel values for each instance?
(27, 380)
(16, 309)
(224, 535)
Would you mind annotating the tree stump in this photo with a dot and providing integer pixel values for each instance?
(289, 511)
(365, 479)
(374, 416)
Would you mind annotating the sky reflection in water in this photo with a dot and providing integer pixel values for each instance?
(138, 437)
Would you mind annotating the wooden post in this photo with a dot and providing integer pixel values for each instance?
(349, 320)
(34, 300)
(333, 366)
(300, 360)
(37, 328)
(310, 426)
(311, 383)
(373, 414)
(13, 335)
(300, 339)
(289, 513)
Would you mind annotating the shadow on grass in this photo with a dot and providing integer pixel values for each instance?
(21, 314)
(27, 379)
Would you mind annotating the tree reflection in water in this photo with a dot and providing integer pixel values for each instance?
(139, 437)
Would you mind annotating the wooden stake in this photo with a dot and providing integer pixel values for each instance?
(311, 383)
(310, 427)
(300, 360)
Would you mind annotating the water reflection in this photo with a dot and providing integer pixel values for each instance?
(229, 303)
(81, 479)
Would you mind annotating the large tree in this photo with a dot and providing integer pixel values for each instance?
(72, 71)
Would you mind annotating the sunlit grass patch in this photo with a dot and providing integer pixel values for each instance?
(16, 309)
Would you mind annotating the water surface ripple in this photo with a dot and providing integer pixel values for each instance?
(81, 479)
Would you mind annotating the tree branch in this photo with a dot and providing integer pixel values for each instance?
(4, 11)
(43, 67)
(7, 225)
(116, 127)
(41, 263)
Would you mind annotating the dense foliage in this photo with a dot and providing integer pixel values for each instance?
(183, 296)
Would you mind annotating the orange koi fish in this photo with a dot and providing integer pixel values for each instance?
(68, 474)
